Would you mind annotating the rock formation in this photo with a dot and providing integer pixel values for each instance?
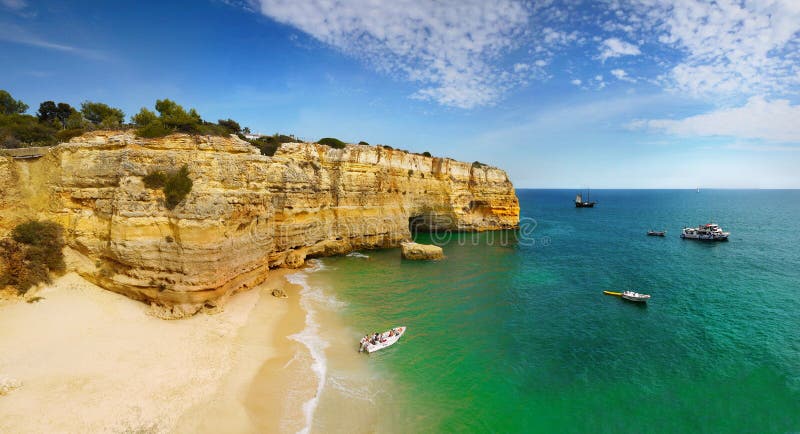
(417, 252)
(246, 212)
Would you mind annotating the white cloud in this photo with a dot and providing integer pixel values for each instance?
(599, 81)
(446, 46)
(576, 82)
(728, 46)
(16, 5)
(759, 118)
(620, 74)
(19, 35)
(521, 67)
(613, 47)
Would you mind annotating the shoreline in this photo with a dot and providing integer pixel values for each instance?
(89, 360)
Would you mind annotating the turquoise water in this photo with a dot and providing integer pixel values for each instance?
(514, 334)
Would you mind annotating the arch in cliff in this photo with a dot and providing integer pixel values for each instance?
(431, 221)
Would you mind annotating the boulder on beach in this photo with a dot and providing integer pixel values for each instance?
(280, 293)
(417, 252)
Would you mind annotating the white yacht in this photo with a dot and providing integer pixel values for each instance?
(707, 232)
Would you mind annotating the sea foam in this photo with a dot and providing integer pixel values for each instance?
(310, 298)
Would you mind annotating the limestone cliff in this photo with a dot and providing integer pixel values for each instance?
(246, 212)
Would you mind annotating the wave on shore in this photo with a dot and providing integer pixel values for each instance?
(311, 299)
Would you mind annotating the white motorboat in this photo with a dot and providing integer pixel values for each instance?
(372, 343)
(707, 232)
(635, 296)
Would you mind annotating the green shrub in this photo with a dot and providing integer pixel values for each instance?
(426, 154)
(65, 135)
(173, 118)
(9, 105)
(154, 129)
(24, 130)
(268, 145)
(478, 164)
(177, 186)
(155, 180)
(31, 254)
(143, 118)
(363, 143)
(75, 120)
(210, 129)
(102, 114)
(230, 125)
(332, 142)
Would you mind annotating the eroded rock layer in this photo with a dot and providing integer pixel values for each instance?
(246, 212)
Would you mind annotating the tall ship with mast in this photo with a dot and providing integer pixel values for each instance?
(580, 203)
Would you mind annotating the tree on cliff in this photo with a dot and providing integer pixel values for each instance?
(173, 118)
(11, 106)
(50, 112)
(18, 130)
(231, 125)
(268, 145)
(102, 114)
(332, 142)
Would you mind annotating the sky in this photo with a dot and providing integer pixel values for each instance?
(560, 94)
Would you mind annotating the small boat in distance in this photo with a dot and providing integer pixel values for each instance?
(653, 233)
(630, 296)
(379, 341)
(707, 232)
(635, 296)
(580, 203)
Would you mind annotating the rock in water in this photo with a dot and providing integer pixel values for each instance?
(417, 252)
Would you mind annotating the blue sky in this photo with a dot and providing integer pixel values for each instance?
(606, 94)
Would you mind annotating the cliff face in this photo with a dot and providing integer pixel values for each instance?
(246, 212)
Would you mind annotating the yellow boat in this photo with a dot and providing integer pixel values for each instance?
(618, 294)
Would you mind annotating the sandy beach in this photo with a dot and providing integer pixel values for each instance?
(83, 359)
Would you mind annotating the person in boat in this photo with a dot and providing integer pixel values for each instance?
(391, 332)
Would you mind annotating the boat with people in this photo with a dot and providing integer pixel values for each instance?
(653, 233)
(630, 295)
(580, 203)
(379, 341)
(635, 296)
(706, 232)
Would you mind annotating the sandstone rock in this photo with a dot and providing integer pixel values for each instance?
(280, 293)
(8, 384)
(246, 212)
(415, 251)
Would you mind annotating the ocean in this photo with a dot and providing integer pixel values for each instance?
(512, 331)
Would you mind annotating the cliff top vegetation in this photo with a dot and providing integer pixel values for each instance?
(56, 122)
